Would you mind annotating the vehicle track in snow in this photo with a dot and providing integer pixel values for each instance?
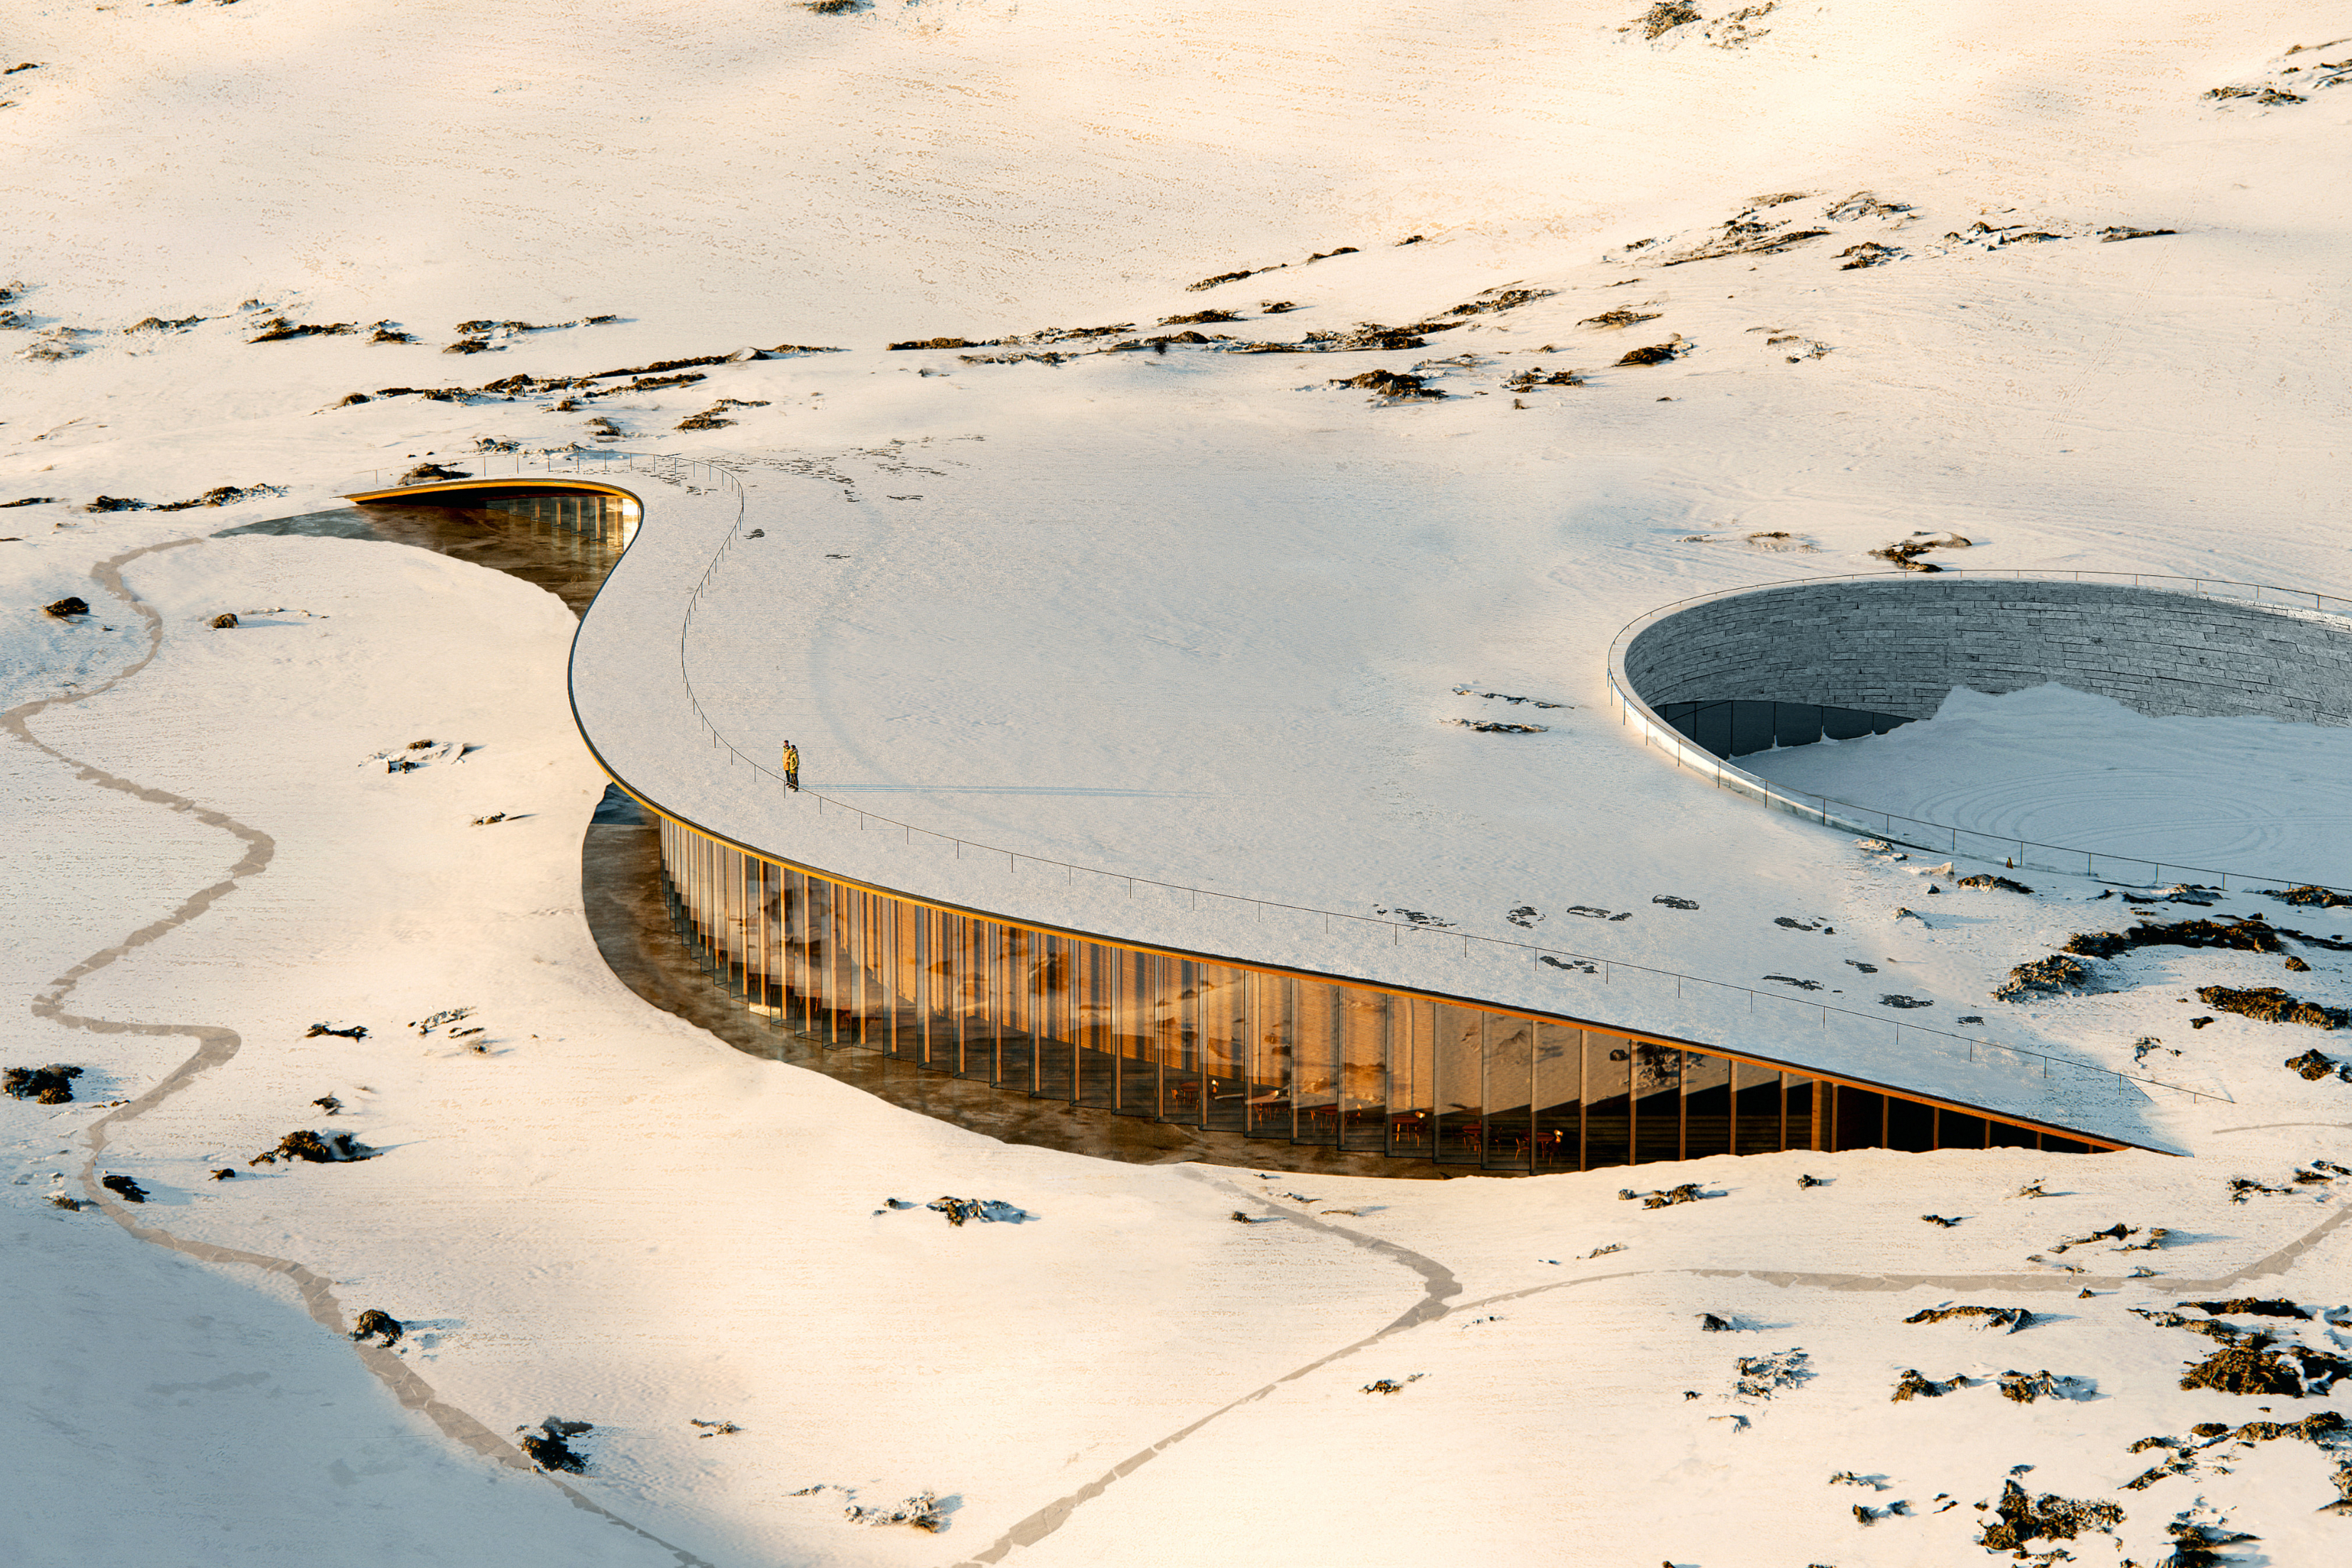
(217, 1045)
(1441, 1285)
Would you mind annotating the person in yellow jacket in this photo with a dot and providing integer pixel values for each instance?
(792, 767)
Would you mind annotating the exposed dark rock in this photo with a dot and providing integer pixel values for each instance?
(2248, 935)
(225, 620)
(335, 1148)
(550, 1447)
(1761, 1376)
(1710, 1323)
(2009, 1318)
(328, 1104)
(131, 1191)
(2314, 1067)
(960, 1210)
(1988, 880)
(944, 343)
(373, 1322)
(2252, 1307)
(921, 1511)
(51, 1085)
(225, 1173)
(1905, 553)
(2025, 1387)
(67, 607)
(2310, 894)
(1390, 1385)
(2269, 1004)
(1666, 1197)
(1655, 354)
(1869, 253)
(1391, 386)
(1940, 1219)
(1200, 317)
(278, 329)
(1911, 1386)
(1499, 299)
(357, 1031)
(61, 1201)
(2248, 1368)
(2019, 1519)
(2056, 973)
(425, 473)
(1665, 17)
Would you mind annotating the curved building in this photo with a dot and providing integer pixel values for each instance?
(1053, 981)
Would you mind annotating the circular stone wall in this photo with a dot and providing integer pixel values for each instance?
(1898, 646)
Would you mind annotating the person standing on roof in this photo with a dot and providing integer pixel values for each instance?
(791, 768)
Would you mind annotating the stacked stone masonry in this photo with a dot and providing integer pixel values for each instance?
(1899, 646)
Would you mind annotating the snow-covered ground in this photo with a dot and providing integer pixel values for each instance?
(1198, 612)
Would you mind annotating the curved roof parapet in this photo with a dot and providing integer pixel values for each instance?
(650, 651)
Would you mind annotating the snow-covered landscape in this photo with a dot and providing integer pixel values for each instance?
(1163, 436)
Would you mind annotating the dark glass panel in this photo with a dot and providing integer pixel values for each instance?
(1057, 962)
(1559, 1093)
(1138, 1041)
(1270, 1056)
(1711, 726)
(1608, 1100)
(1364, 1024)
(1861, 1118)
(1016, 1037)
(1222, 1015)
(1706, 1105)
(1955, 1131)
(1098, 1006)
(1657, 1103)
(1461, 1085)
(1805, 1110)
(1413, 1077)
(1751, 728)
(1755, 1098)
(2009, 1135)
(2051, 1144)
(1315, 1087)
(1510, 1092)
(1910, 1125)
(1796, 723)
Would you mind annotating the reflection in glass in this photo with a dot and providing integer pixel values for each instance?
(1233, 1050)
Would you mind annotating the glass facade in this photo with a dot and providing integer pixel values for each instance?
(1258, 1051)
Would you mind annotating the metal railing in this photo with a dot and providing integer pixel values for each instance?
(1609, 971)
(1947, 838)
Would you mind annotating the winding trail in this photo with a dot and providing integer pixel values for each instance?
(217, 1045)
(1441, 1286)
